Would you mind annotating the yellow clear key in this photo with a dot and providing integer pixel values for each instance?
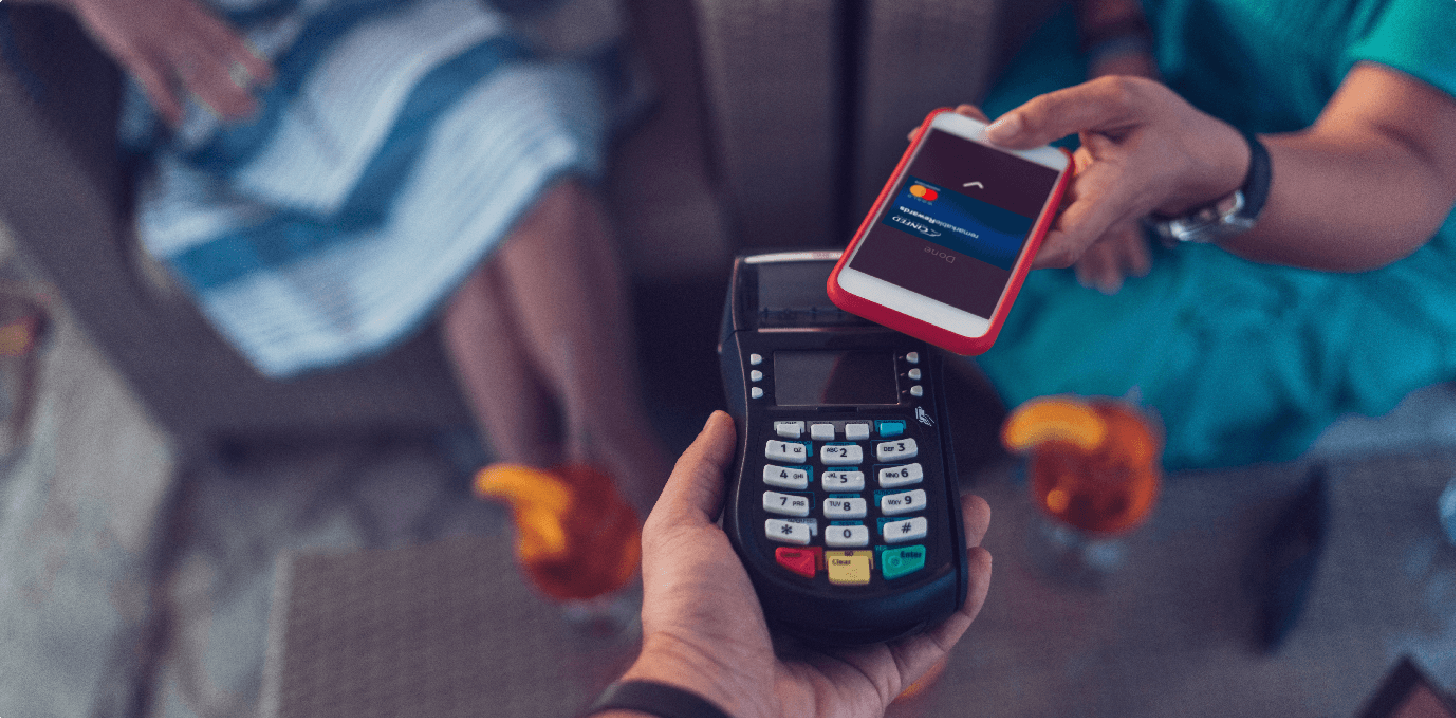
(849, 568)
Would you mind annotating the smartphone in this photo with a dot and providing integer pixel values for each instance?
(943, 251)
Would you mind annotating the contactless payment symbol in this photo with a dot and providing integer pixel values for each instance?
(920, 191)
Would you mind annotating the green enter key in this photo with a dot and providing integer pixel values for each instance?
(897, 562)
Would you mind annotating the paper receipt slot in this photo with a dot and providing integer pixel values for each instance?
(843, 502)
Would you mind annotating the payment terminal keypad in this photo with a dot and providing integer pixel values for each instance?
(843, 500)
(842, 496)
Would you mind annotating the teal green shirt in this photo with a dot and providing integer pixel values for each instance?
(1244, 362)
(1270, 66)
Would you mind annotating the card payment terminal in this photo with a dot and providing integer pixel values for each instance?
(843, 503)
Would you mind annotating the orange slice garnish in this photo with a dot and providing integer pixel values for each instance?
(539, 501)
(1053, 419)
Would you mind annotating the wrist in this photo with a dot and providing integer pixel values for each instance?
(1219, 164)
(653, 699)
(1230, 215)
(669, 661)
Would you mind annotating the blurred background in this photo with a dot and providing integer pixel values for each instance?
(182, 536)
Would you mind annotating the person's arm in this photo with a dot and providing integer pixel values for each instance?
(703, 629)
(1366, 185)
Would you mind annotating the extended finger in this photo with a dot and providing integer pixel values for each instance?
(1137, 260)
(1103, 104)
(694, 491)
(1092, 266)
(210, 78)
(235, 51)
(157, 86)
(259, 69)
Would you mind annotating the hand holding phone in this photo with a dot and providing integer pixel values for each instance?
(945, 248)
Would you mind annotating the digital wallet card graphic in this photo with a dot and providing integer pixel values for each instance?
(959, 223)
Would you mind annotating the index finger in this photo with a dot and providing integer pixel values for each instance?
(1100, 105)
(694, 491)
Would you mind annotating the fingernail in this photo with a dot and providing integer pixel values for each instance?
(1004, 128)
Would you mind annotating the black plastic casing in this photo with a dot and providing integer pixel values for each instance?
(814, 609)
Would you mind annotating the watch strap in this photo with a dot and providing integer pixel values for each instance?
(1258, 179)
(658, 699)
(1209, 223)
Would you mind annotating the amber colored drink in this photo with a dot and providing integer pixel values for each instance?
(576, 537)
(604, 541)
(1110, 488)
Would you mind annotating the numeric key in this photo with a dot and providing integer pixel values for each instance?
(897, 450)
(843, 481)
(842, 536)
(786, 477)
(906, 503)
(794, 452)
(895, 476)
(841, 454)
(845, 508)
(785, 504)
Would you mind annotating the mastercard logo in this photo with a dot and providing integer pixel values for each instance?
(923, 192)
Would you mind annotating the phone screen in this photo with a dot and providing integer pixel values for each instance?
(955, 225)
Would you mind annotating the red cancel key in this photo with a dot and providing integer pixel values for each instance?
(802, 561)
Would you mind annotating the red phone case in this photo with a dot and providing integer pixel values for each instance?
(920, 328)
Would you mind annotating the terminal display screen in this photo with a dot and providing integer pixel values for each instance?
(835, 378)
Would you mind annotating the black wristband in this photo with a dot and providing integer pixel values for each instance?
(659, 699)
(1258, 179)
(1221, 220)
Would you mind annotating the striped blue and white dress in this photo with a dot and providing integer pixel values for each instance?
(396, 148)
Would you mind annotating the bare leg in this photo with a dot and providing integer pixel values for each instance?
(559, 284)
(507, 396)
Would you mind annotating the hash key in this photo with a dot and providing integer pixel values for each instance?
(908, 530)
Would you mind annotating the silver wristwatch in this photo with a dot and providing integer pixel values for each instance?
(1231, 216)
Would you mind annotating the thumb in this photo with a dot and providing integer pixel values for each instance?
(694, 491)
(1101, 105)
